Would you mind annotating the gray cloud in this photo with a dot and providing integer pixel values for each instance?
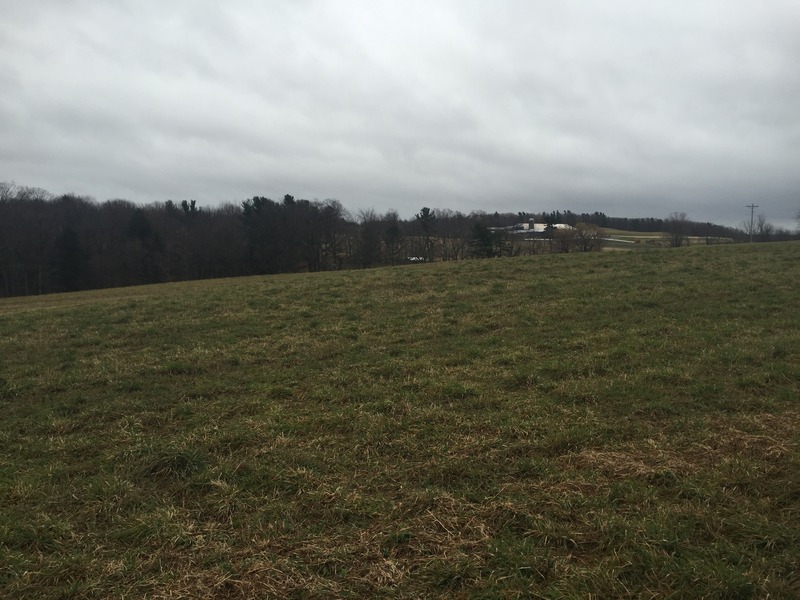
(625, 107)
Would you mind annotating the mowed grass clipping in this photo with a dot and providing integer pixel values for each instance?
(615, 425)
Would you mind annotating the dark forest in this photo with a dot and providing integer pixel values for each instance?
(59, 243)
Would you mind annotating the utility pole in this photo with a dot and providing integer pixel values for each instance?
(752, 207)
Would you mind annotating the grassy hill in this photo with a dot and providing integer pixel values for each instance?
(620, 424)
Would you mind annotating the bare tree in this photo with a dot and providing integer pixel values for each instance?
(369, 238)
(454, 234)
(747, 228)
(334, 219)
(7, 191)
(763, 229)
(677, 227)
(565, 238)
(392, 236)
(588, 237)
(426, 218)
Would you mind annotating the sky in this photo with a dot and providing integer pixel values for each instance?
(627, 107)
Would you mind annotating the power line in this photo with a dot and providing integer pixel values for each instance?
(752, 207)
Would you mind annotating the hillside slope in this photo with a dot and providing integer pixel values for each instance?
(624, 424)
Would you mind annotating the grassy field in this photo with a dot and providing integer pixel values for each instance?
(606, 425)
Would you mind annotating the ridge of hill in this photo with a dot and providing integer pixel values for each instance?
(620, 424)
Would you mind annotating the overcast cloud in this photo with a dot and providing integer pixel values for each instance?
(627, 107)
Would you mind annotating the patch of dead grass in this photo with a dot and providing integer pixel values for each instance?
(766, 437)
(626, 464)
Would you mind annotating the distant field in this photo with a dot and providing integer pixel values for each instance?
(634, 234)
(621, 239)
(608, 425)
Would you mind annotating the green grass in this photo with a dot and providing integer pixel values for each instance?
(619, 425)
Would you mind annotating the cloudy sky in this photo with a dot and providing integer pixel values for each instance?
(630, 107)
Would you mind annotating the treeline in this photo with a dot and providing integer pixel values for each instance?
(67, 243)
